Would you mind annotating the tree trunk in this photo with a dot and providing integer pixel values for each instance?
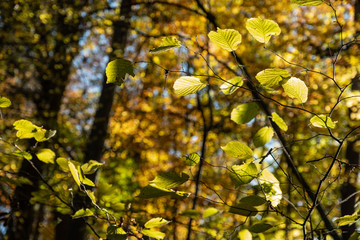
(348, 188)
(53, 82)
(98, 133)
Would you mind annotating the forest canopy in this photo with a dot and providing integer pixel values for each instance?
(179, 119)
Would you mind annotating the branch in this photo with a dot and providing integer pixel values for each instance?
(264, 106)
(177, 5)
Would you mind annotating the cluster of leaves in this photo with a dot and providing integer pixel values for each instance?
(250, 168)
(262, 185)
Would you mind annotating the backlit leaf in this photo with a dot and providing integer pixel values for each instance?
(192, 159)
(46, 155)
(322, 121)
(262, 29)
(4, 102)
(91, 195)
(26, 130)
(116, 233)
(238, 150)
(91, 167)
(169, 180)
(231, 85)
(263, 136)
(243, 113)
(227, 39)
(83, 213)
(187, 85)
(83, 178)
(308, 2)
(210, 212)
(347, 219)
(271, 187)
(167, 43)
(272, 76)
(156, 222)
(244, 234)
(23, 154)
(74, 172)
(243, 174)
(279, 121)
(296, 88)
(63, 163)
(153, 233)
(116, 71)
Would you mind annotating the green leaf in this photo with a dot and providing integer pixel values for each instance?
(262, 29)
(271, 187)
(91, 195)
(245, 235)
(272, 76)
(253, 200)
(355, 236)
(63, 163)
(74, 172)
(46, 155)
(347, 219)
(308, 2)
(263, 136)
(91, 167)
(243, 174)
(187, 85)
(82, 177)
(83, 213)
(156, 222)
(116, 71)
(116, 233)
(167, 43)
(169, 180)
(26, 129)
(4, 102)
(238, 150)
(243, 209)
(153, 233)
(322, 121)
(295, 88)
(153, 191)
(227, 39)
(23, 154)
(232, 85)
(279, 121)
(260, 227)
(243, 113)
(261, 236)
(210, 212)
(192, 159)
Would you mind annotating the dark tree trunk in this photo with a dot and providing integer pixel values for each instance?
(24, 219)
(69, 228)
(22, 212)
(348, 188)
